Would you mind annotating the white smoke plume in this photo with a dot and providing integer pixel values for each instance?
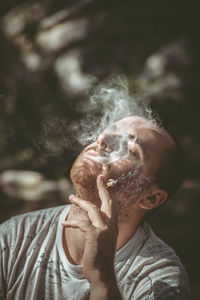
(110, 102)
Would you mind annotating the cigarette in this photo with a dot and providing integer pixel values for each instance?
(111, 182)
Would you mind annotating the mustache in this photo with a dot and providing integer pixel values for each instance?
(94, 147)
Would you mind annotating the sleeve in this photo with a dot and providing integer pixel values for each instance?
(2, 278)
(163, 283)
(5, 250)
(3, 256)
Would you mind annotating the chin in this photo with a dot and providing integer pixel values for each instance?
(84, 175)
(84, 172)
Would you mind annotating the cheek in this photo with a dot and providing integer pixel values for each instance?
(124, 170)
(130, 186)
(125, 197)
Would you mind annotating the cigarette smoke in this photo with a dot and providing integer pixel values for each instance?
(110, 102)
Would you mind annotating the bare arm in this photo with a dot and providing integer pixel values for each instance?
(101, 233)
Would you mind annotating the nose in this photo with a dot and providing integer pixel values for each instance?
(111, 141)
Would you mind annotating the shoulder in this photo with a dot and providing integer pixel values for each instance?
(157, 251)
(156, 271)
(165, 265)
(30, 221)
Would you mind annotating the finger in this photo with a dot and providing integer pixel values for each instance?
(83, 225)
(105, 196)
(92, 210)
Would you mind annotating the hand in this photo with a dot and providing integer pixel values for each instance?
(101, 231)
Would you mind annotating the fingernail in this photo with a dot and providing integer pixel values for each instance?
(65, 222)
(72, 199)
(101, 177)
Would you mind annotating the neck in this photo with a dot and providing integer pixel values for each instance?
(74, 240)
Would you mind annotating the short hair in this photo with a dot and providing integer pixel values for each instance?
(171, 171)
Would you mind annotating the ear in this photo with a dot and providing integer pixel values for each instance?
(152, 199)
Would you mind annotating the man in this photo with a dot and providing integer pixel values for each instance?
(100, 247)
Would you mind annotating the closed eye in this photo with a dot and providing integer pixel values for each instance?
(134, 152)
(136, 146)
(131, 144)
(134, 149)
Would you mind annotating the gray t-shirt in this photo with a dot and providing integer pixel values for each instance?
(33, 264)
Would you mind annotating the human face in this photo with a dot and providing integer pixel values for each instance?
(129, 151)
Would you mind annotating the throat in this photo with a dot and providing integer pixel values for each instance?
(73, 239)
(73, 244)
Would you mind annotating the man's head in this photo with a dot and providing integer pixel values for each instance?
(140, 156)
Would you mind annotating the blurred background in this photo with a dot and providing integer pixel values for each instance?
(52, 54)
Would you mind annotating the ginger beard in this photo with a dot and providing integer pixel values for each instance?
(130, 182)
(83, 175)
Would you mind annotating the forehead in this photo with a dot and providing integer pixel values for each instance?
(135, 123)
(147, 131)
